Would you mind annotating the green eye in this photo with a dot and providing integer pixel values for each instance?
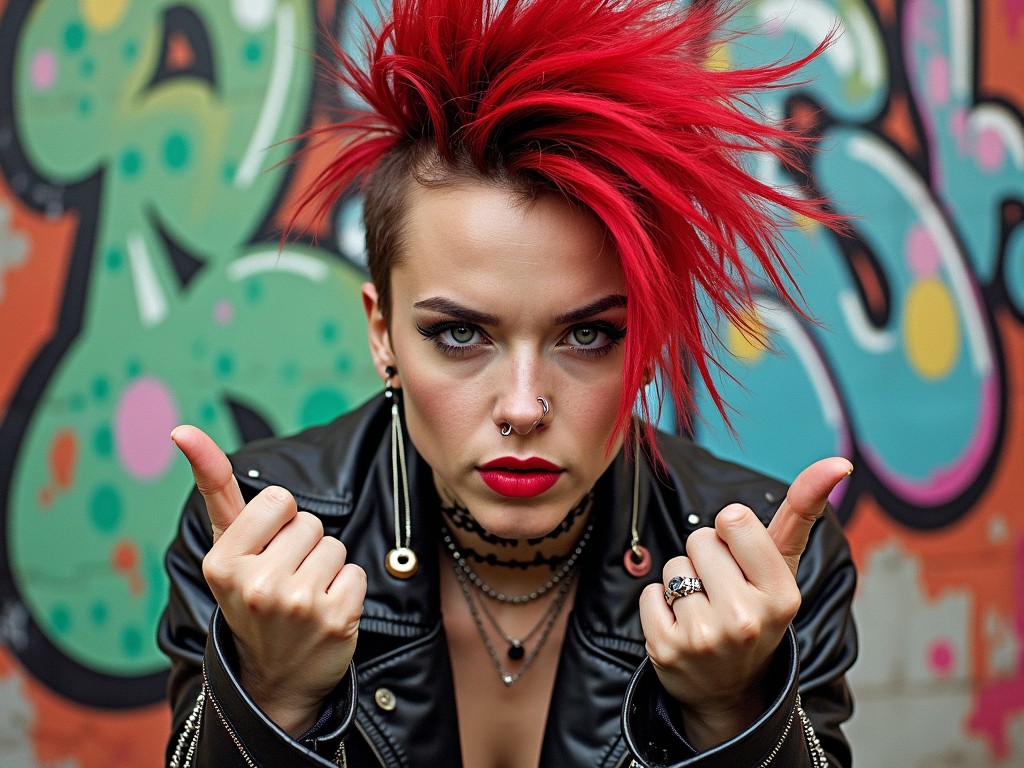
(585, 336)
(462, 334)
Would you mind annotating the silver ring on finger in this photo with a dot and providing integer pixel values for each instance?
(682, 586)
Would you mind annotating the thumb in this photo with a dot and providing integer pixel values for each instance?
(804, 504)
(213, 474)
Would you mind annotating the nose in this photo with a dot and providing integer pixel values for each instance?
(521, 406)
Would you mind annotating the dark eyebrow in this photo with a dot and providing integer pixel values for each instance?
(453, 308)
(449, 307)
(593, 308)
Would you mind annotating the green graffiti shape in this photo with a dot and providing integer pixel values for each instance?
(187, 149)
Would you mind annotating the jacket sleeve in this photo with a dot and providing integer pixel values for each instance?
(810, 698)
(213, 720)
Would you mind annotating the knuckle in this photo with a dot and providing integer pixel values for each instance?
(789, 603)
(297, 603)
(258, 595)
(705, 639)
(676, 564)
(700, 538)
(665, 655)
(277, 497)
(746, 629)
(348, 627)
(335, 547)
(357, 573)
(352, 581)
(210, 487)
(346, 620)
(650, 596)
(311, 522)
(215, 571)
(733, 516)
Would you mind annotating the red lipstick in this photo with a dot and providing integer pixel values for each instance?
(519, 478)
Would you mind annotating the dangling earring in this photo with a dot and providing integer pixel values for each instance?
(637, 559)
(401, 561)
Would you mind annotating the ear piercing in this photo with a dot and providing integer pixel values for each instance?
(401, 562)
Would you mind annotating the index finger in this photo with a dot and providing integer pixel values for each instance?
(803, 505)
(214, 476)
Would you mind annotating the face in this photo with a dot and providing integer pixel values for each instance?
(495, 303)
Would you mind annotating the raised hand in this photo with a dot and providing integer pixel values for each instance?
(291, 600)
(711, 649)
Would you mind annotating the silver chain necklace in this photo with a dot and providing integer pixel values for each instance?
(516, 650)
(467, 571)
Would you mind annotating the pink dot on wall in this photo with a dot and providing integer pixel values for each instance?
(990, 150)
(922, 252)
(223, 311)
(938, 80)
(43, 69)
(941, 657)
(146, 414)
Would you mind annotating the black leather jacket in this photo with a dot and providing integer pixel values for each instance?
(396, 707)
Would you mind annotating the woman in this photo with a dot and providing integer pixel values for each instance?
(460, 573)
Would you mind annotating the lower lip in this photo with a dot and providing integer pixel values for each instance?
(519, 485)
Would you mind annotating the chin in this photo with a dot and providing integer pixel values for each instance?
(519, 521)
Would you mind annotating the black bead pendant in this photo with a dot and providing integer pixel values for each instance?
(515, 651)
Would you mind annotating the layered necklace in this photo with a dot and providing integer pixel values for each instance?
(561, 582)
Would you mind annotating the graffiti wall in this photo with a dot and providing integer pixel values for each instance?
(142, 284)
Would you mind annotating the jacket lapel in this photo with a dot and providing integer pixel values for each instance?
(406, 706)
(604, 642)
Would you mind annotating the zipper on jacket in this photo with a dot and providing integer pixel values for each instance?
(340, 758)
(630, 762)
(782, 740)
(223, 720)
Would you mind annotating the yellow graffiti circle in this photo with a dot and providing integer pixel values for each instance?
(931, 331)
(103, 14)
(719, 59)
(806, 223)
(742, 345)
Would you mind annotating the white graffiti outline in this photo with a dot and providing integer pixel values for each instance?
(278, 261)
(273, 104)
(152, 302)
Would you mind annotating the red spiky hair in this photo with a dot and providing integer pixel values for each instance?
(611, 104)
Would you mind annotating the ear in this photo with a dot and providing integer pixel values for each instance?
(377, 330)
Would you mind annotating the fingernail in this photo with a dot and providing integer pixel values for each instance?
(176, 442)
(849, 471)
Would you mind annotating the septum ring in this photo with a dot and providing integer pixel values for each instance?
(682, 586)
(506, 427)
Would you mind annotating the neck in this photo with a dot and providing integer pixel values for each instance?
(516, 565)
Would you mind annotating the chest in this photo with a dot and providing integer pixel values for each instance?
(501, 726)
